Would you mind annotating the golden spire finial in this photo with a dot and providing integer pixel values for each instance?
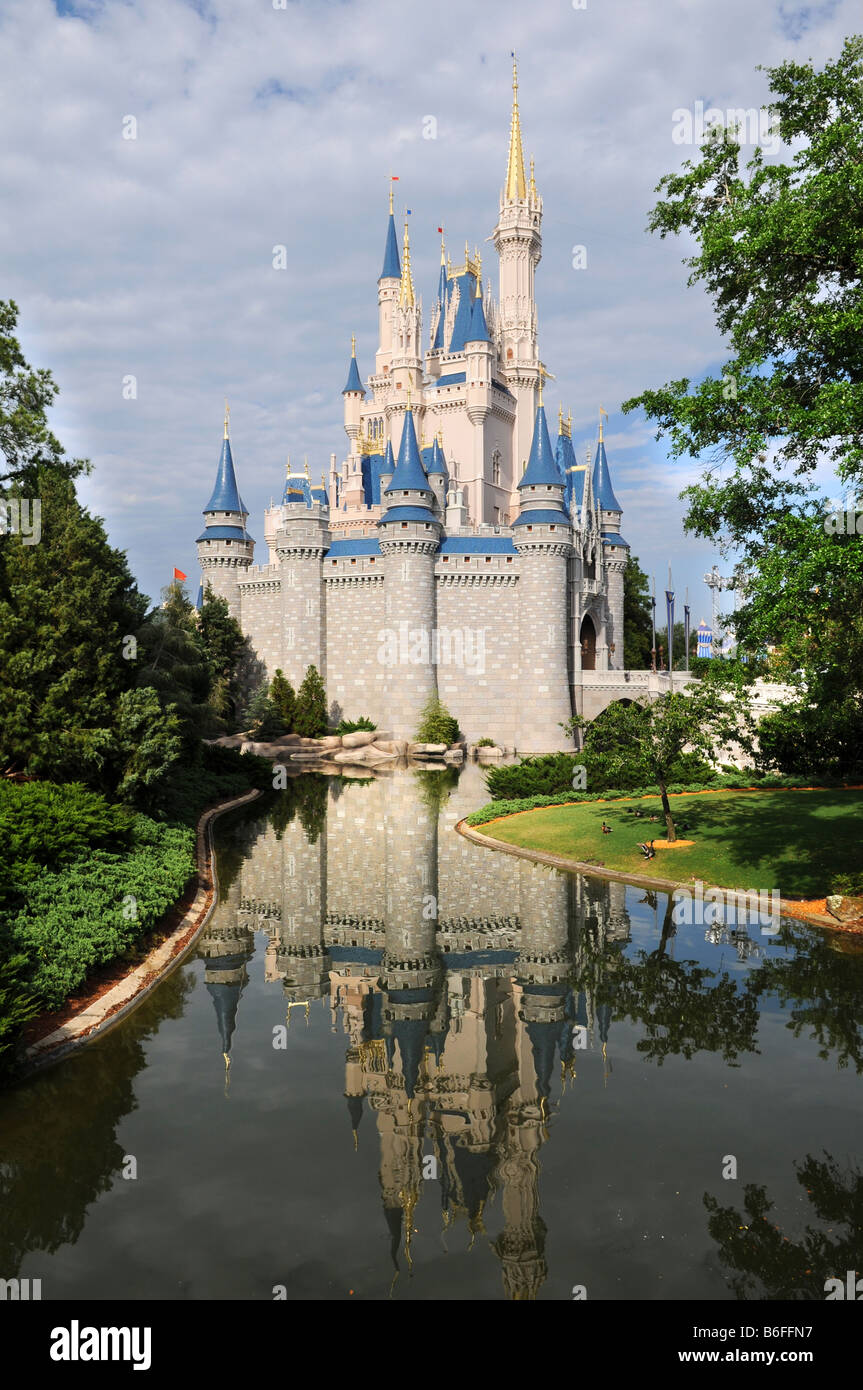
(514, 188)
(227, 418)
(353, 345)
(406, 289)
(442, 248)
(560, 418)
(569, 423)
(306, 461)
(602, 412)
(391, 195)
(532, 180)
(288, 467)
(409, 395)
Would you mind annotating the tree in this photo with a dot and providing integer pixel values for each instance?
(223, 643)
(779, 252)
(262, 718)
(643, 743)
(637, 618)
(173, 661)
(437, 725)
(26, 394)
(284, 698)
(311, 713)
(67, 607)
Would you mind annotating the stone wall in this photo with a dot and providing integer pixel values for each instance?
(476, 608)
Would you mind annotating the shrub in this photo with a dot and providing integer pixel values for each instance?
(262, 717)
(352, 726)
(17, 1006)
(311, 716)
(848, 885)
(47, 825)
(485, 743)
(532, 777)
(284, 698)
(437, 724)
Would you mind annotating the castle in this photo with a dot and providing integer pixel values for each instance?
(455, 550)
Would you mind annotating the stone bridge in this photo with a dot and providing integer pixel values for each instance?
(594, 691)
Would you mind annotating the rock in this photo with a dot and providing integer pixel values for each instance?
(330, 741)
(365, 772)
(358, 739)
(362, 755)
(454, 755)
(277, 751)
(306, 755)
(228, 741)
(307, 742)
(431, 750)
(483, 753)
(399, 746)
(844, 909)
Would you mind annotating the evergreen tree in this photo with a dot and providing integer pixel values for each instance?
(26, 394)
(262, 718)
(223, 643)
(637, 625)
(284, 698)
(173, 661)
(67, 607)
(311, 714)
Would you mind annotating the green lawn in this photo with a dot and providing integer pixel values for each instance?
(793, 841)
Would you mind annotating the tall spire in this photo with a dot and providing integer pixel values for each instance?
(406, 289)
(515, 187)
(227, 418)
(392, 267)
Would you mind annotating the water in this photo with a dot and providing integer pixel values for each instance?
(408, 1113)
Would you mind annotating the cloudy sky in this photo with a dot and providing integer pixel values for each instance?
(261, 123)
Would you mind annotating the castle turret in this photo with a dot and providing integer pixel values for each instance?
(615, 551)
(409, 534)
(542, 537)
(301, 543)
(407, 367)
(388, 293)
(225, 548)
(352, 395)
(518, 243)
(436, 471)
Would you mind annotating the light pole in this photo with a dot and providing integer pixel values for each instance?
(714, 582)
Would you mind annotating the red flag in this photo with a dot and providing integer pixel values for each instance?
(440, 229)
(395, 177)
(178, 574)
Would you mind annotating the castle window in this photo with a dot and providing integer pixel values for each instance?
(509, 354)
(488, 559)
(530, 528)
(467, 559)
(509, 559)
(334, 562)
(552, 528)
(353, 562)
(371, 559)
(495, 468)
(404, 526)
(446, 559)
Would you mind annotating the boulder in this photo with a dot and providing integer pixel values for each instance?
(483, 753)
(454, 755)
(358, 739)
(355, 771)
(331, 741)
(277, 751)
(426, 750)
(362, 755)
(844, 909)
(306, 755)
(228, 741)
(399, 746)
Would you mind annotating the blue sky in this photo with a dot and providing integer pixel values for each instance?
(259, 126)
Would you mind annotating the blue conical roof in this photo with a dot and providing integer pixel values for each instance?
(438, 461)
(464, 313)
(564, 455)
(603, 492)
(392, 264)
(353, 382)
(541, 468)
(478, 331)
(225, 497)
(389, 464)
(409, 472)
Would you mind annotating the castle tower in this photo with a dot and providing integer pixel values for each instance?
(406, 371)
(302, 541)
(388, 293)
(518, 242)
(615, 551)
(409, 534)
(478, 375)
(225, 548)
(542, 537)
(353, 397)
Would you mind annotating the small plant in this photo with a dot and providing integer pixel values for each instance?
(437, 724)
(263, 719)
(353, 726)
(847, 885)
(486, 743)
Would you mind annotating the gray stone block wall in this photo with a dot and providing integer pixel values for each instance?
(477, 604)
(356, 616)
(543, 631)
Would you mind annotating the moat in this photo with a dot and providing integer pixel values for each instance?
(402, 1065)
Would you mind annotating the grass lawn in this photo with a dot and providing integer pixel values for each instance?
(793, 841)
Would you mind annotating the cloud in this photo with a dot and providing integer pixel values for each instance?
(257, 127)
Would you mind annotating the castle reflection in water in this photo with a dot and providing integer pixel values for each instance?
(450, 968)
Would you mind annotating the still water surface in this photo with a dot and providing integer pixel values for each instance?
(404, 1066)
